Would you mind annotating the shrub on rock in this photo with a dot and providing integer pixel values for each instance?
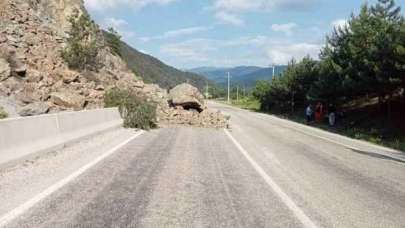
(3, 114)
(82, 47)
(136, 111)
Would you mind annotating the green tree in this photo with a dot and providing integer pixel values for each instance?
(366, 57)
(113, 40)
(260, 92)
(82, 46)
(291, 89)
(367, 53)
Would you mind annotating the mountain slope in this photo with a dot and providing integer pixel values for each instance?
(250, 79)
(152, 70)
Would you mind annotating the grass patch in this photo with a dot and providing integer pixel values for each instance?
(358, 127)
(3, 114)
(247, 103)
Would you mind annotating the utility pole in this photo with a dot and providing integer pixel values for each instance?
(229, 87)
(237, 93)
(207, 94)
(273, 70)
(244, 91)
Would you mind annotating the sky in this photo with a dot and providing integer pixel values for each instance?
(225, 33)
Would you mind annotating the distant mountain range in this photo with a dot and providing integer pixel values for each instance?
(152, 70)
(241, 75)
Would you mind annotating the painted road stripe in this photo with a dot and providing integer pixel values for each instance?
(301, 216)
(10, 216)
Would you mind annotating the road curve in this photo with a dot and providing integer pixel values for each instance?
(264, 172)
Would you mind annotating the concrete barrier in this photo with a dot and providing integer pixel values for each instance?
(24, 138)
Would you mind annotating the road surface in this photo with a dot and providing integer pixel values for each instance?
(263, 172)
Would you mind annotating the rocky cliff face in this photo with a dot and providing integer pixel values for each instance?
(35, 79)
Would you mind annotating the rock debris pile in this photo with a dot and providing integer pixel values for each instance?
(186, 107)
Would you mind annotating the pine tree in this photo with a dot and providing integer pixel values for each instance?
(82, 46)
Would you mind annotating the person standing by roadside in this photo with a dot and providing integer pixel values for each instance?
(309, 112)
(332, 115)
(318, 112)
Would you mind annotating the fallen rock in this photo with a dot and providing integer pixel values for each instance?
(68, 100)
(206, 119)
(34, 109)
(100, 88)
(18, 66)
(34, 76)
(69, 77)
(5, 69)
(187, 96)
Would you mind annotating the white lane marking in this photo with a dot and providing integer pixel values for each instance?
(301, 216)
(10, 216)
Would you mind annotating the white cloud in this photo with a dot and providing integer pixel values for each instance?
(101, 5)
(227, 10)
(177, 33)
(257, 50)
(285, 28)
(238, 5)
(143, 51)
(116, 23)
(119, 25)
(283, 53)
(229, 18)
(185, 31)
(190, 50)
(339, 23)
(255, 5)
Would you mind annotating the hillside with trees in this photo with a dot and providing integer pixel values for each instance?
(361, 71)
(152, 70)
(242, 76)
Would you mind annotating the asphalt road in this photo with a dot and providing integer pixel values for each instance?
(263, 172)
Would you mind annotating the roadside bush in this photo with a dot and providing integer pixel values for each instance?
(136, 110)
(115, 97)
(3, 114)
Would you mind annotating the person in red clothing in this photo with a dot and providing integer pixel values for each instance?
(318, 112)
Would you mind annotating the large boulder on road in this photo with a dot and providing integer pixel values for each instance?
(187, 96)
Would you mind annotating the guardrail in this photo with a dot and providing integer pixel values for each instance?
(26, 137)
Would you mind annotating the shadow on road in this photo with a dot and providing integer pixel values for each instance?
(379, 156)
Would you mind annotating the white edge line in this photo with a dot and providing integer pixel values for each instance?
(331, 134)
(301, 216)
(365, 143)
(326, 139)
(13, 214)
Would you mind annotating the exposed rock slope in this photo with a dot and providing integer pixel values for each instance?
(32, 36)
(35, 79)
